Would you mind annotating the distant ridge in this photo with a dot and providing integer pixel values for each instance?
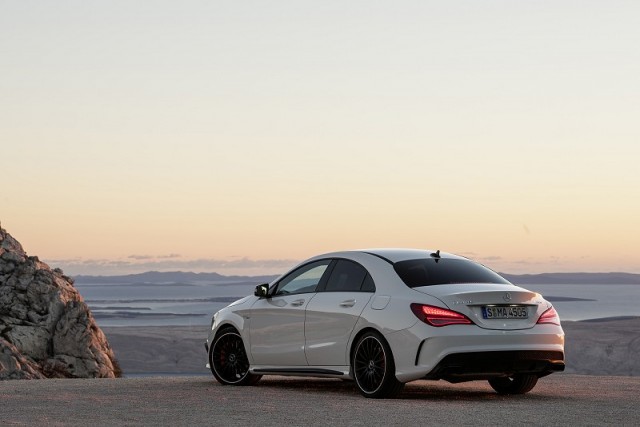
(171, 277)
(574, 278)
(159, 277)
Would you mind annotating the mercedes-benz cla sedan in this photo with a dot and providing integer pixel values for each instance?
(384, 317)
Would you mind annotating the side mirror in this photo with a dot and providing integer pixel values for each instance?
(262, 290)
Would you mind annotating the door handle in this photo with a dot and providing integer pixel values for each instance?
(297, 303)
(348, 303)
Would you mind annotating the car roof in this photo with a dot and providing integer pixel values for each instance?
(393, 255)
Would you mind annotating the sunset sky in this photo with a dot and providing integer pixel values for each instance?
(244, 136)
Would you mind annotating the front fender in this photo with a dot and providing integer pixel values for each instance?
(236, 319)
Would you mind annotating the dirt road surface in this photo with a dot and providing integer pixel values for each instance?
(560, 399)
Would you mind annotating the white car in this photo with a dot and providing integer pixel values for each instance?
(384, 317)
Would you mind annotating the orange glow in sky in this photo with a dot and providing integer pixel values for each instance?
(241, 137)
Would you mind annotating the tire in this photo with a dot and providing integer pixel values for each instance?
(518, 384)
(373, 367)
(228, 359)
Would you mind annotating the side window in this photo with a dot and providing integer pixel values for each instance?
(303, 280)
(348, 276)
(368, 285)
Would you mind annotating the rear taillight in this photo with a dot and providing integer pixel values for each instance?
(436, 316)
(550, 316)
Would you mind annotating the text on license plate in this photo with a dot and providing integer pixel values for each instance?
(504, 312)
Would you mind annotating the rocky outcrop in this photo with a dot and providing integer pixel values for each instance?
(46, 329)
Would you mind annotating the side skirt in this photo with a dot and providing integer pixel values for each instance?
(300, 371)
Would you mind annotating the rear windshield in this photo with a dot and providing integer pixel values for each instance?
(428, 272)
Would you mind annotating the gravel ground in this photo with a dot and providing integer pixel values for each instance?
(560, 399)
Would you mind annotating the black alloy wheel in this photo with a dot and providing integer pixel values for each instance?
(517, 384)
(373, 367)
(228, 360)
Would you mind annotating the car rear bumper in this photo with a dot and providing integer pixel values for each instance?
(460, 367)
(457, 351)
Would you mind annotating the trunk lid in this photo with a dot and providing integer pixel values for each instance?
(472, 299)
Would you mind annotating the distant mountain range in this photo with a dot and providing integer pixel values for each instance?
(574, 278)
(519, 279)
(171, 277)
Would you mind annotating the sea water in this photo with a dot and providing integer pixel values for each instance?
(194, 303)
(592, 301)
(183, 304)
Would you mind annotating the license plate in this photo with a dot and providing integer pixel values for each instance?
(505, 312)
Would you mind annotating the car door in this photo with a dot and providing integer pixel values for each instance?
(333, 312)
(277, 322)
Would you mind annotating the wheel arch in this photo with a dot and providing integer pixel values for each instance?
(219, 330)
(226, 326)
(237, 364)
(355, 340)
(224, 319)
(389, 385)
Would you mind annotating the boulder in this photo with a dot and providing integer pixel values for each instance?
(46, 329)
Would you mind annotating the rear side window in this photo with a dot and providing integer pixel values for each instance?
(428, 272)
(368, 285)
(348, 276)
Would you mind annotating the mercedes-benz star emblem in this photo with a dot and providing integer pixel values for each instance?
(507, 296)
